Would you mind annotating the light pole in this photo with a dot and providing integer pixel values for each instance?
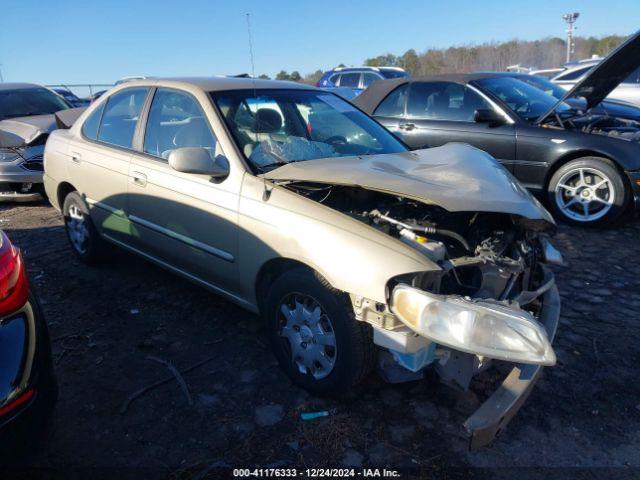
(570, 18)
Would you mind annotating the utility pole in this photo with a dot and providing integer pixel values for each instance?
(570, 19)
(1, 77)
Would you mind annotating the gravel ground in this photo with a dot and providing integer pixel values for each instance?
(106, 322)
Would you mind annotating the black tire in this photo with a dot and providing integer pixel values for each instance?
(598, 166)
(94, 248)
(354, 349)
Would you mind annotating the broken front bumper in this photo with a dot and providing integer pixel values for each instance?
(494, 414)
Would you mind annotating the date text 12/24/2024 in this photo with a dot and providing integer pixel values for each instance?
(315, 473)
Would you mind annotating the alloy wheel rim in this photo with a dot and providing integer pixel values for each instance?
(305, 326)
(584, 194)
(77, 229)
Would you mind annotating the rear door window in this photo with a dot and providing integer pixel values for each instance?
(393, 105)
(175, 121)
(444, 101)
(335, 79)
(121, 116)
(369, 78)
(351, 80)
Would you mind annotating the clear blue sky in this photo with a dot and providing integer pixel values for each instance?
(76, 41)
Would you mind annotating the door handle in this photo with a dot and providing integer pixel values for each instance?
(407, 126)
(76, 157)
(139, 179)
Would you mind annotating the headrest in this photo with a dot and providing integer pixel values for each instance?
(267, 120)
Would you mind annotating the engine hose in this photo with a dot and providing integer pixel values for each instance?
(448, 233)
(430, 230)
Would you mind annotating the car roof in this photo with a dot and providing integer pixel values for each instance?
(214, 84)
(18, 85)
(369, 100)
(366, 69)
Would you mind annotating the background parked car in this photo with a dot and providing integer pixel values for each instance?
(28, 388)
(71, 98)
(588, 164)
(96, 96)
(26, 119)
(627, 91)
(350, 81)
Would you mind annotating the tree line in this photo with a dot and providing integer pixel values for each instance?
(491, 56)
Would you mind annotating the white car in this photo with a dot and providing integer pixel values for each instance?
(628, 90)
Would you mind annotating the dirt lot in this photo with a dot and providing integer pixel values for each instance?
(105, 322)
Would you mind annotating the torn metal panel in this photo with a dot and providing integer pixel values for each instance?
(494, 414)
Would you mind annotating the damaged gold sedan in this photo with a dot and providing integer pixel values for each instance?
(289, 201)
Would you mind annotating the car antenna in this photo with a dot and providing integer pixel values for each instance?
(267, 193)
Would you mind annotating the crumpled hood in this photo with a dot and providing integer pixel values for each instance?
(456, 177)
(21, 131)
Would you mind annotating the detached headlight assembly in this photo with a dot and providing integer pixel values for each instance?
(476, 327)
(8, 155)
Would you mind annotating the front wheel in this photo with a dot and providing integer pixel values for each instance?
(83, 236)
(314, 335)
(588, 191)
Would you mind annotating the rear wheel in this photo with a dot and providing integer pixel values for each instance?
(588, 191)
(314, 335)
(83, 236)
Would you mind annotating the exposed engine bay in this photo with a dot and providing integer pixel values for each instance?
(625, 129)
(482, 255)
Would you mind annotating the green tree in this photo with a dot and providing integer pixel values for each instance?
(264, 76)
(313, 78)
(387, 60)
(295, 76)
(409, 61)
(283, 75)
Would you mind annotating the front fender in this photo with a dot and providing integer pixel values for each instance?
(352, 256)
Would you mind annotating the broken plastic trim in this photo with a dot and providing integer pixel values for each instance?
(495, 413)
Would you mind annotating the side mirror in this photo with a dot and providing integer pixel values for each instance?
(487, 115)
(198, 160)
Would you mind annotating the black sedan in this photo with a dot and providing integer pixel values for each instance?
(28, 389)
(587, 163)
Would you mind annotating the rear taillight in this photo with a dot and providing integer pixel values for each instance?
(17, 402)
(14, 289)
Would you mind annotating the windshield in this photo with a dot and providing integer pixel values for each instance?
(544, 84)
(276, 127)
(527, 101)
(24, 102)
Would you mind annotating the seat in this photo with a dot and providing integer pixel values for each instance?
(471, 102)
(438, 105)
(266, 125)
